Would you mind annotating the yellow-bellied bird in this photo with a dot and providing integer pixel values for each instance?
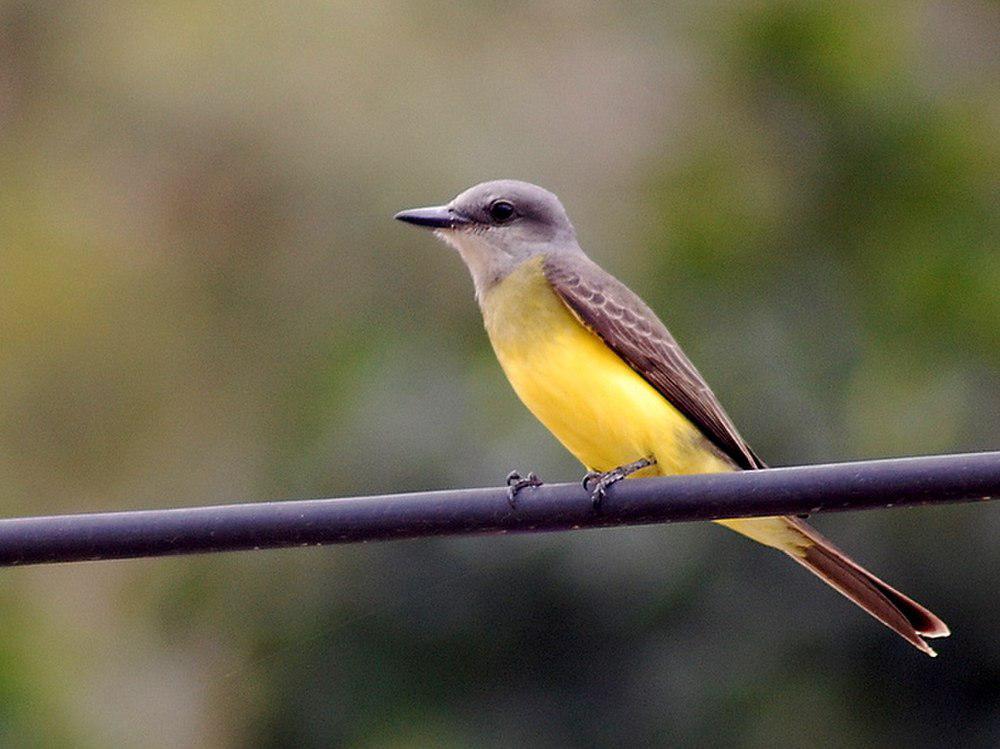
(603, 374)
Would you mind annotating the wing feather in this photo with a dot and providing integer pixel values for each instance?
(633, 331)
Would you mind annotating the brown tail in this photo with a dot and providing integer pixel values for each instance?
(900, 613)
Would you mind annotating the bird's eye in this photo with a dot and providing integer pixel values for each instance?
(501, 211)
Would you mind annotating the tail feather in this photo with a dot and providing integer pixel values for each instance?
(897, 611)
(806, 546)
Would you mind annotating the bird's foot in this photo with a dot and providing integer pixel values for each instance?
(598, 483)
(516, 482)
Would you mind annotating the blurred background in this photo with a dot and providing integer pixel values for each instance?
(203, 299)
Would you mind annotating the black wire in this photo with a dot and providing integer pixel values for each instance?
(554, 507)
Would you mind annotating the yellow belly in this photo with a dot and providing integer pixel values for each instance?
(595, 404)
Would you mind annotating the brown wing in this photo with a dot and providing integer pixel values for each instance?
(632, 330)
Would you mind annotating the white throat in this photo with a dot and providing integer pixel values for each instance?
(486, 262)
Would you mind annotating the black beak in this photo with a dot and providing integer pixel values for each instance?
(435, 217)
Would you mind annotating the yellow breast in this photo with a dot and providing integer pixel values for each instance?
(594, 403)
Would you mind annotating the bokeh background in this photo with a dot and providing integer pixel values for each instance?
(203, 299)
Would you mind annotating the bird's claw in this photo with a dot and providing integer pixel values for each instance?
(597, 483)
(516, 482)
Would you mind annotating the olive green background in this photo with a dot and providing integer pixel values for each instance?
(203, 299)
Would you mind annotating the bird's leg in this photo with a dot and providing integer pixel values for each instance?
(516, 482)
(597, 483)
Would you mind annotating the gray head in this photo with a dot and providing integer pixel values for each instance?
(496, 226)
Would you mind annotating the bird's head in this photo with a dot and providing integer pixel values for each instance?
(496, 226)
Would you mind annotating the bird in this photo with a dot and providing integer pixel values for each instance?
(603, 374)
